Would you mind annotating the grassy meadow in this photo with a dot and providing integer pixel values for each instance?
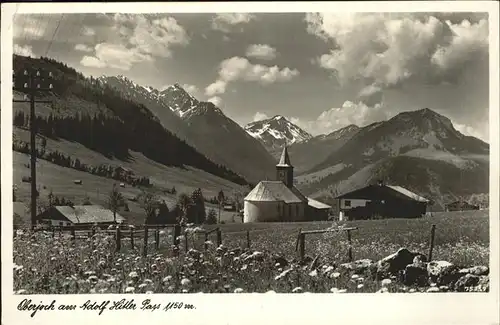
(43, 264)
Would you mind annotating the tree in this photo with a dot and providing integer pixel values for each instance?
(50, 196)
(149, 204)
(184, 202)
(220, 201)
(198, 202)
(115, 200)
(211, 217)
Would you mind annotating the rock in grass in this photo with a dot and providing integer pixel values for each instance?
(394, 263)
(415, 274)
(466, 281)
(475, 270)
(358, 267)
(443, 272)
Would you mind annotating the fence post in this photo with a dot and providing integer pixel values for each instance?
(145, 244)
(52, 229)
(349, 252)
(219, 237)
(157, 237)
(431, 246)
(248, 239)
(206, 239)
(132, 237)
(302, 245)
(186, 241)
(118, 238)
(73, 235)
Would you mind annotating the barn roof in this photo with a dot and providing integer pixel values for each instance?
(273, 191)
(381, 192)
(316, 204)
(88, 214)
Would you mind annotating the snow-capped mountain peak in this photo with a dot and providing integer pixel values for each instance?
(276, 131)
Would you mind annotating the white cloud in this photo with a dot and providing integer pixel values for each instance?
(338, 117)
(83, 48)
(114, 56)
(260, 116)
(192, 89)
(88, 31)
(261, 51)
(216, 100)
(390, 49)
(224, 21)
(480, 130)
(28, 26)
(238, 68)
(153, 37)
(25, 50)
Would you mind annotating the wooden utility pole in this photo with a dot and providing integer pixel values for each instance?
(31, 82)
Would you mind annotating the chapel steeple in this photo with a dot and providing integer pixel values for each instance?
(284, 169)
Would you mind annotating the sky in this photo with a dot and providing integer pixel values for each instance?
(323, 71)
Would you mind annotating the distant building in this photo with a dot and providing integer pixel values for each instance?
(460, 206)
(280, 200)
(381, 201)
(78, 215)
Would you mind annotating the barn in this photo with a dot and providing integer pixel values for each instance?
(381, 201)
(78, 215)
(280, 200)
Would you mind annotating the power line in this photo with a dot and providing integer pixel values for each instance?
(54, 34)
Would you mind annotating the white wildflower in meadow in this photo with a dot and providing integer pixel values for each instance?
(342, 291)
(334, 275)
(383, 290)
(154, 266)
(334, 290)
(327, 269)
(354, 277)
(313, 273)
(185, 290)
(244, 267)
(138, 258)
(102, 263)
(158, 259)
(133, 275)
(20, 292)
(386, 282)
(149, 292)
(142, 286)
(361, 279)
(238, 290)
(148, 281)
(297, 290)
(185, 282)
(361, 285)
(282, 274)
(433, 284)
(129, 290)
(93, 278)
(280, 269)
(277, 265)
(433, 289)
(53, 258)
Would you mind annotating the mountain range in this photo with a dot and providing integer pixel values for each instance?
(202, 125)
(276, 132)
(420, 150)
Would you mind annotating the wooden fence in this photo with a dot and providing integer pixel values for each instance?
(132, 232)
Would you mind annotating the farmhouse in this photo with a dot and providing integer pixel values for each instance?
(460, 206)
(78, 215)
(381, 201)
(280, 200)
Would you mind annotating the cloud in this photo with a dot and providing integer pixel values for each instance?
(216, 100)
(225, 21)
(349, 113)
(152, 37)
(25, 50)
(261, 51)
(88, 31)
(28, 26)
(260, 116)
(391, 49)
(114, 56)
(238, 68)
(192, 89)
(83, 48)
